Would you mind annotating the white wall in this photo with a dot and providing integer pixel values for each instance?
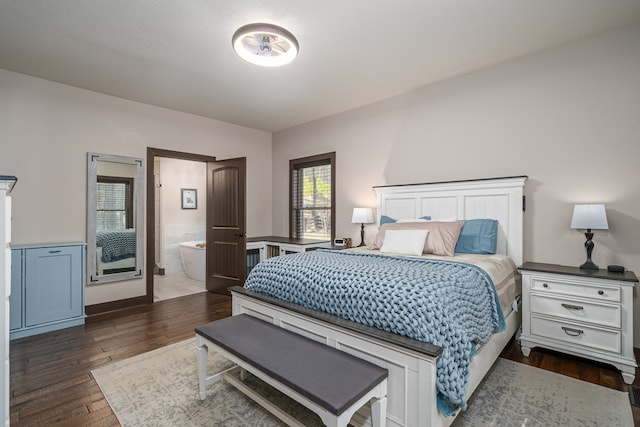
(46, 130)
(567, 117)
(177, 224)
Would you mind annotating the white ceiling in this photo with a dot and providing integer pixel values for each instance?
(177, 53)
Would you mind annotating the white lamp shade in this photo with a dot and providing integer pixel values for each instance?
(589, 217)
(362, 216)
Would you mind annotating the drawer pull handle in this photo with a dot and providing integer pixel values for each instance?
(55, 252)
(544, 285)
(572, 307)
(572, 332)
(600, 292)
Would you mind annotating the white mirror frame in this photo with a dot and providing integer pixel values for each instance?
(93, 277)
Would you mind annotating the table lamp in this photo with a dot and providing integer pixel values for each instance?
(362, 216)
(589, 217)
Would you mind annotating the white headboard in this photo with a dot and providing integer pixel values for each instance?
(497, 198)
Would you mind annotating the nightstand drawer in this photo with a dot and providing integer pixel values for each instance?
(585, 336)
(603, 293)
(602, 314)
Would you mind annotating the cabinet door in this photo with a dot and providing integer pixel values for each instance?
(53, 284)
(15, 300)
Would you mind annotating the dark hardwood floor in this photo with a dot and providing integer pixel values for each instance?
(51, 382)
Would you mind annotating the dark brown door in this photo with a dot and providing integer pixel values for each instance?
(226, 224)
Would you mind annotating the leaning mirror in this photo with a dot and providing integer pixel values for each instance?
(115, 218)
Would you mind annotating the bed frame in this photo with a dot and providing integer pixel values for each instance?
(411, 399)
(126, 264)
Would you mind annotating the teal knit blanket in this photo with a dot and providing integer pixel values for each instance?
(117, 244)
(449, 304)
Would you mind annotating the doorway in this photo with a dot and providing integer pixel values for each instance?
(180, 227)
(203, 202)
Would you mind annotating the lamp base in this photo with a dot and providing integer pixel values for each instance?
(361, 236)
(589, 266)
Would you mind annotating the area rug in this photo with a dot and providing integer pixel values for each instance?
(513, 394)
(160, 388)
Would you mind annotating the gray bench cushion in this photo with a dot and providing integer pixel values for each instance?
(331, 378)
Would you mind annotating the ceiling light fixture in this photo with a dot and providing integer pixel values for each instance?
(266, 45)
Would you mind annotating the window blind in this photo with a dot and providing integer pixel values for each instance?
(311, 191)
(113, 205)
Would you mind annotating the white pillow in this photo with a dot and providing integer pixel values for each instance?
(406, 242)
(412, 220)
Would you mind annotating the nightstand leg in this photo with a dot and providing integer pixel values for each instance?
(526, 351)
(628, 377)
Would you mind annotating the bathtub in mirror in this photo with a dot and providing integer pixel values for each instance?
(115, 218)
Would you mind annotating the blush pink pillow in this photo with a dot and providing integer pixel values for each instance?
(441, 240)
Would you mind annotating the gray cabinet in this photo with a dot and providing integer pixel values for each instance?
(47, 283)
(15, 307)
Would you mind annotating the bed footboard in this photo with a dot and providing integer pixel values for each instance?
(411, 392)
(411, 389)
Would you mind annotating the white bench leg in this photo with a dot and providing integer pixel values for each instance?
(333, 421)
(202, 369)
(203, 379)
(379, 412)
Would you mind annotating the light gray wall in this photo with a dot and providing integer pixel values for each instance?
(46, 130)
(567, 117)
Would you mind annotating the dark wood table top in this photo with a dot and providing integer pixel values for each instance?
(627, 276)
(286, 240)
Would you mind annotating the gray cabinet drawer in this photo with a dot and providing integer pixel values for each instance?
(601, 293)
(599, 314)
(52, 284)
(582, 335)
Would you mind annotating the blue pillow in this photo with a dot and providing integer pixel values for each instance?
(388, 220)
(478, 236)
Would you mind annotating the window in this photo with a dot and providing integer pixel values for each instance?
(114, 201)
(312, 197)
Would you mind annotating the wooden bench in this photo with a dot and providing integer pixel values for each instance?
(330, 382)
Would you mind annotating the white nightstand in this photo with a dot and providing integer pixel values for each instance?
(584, 313)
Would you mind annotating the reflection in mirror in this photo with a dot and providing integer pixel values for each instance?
(114, 218)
